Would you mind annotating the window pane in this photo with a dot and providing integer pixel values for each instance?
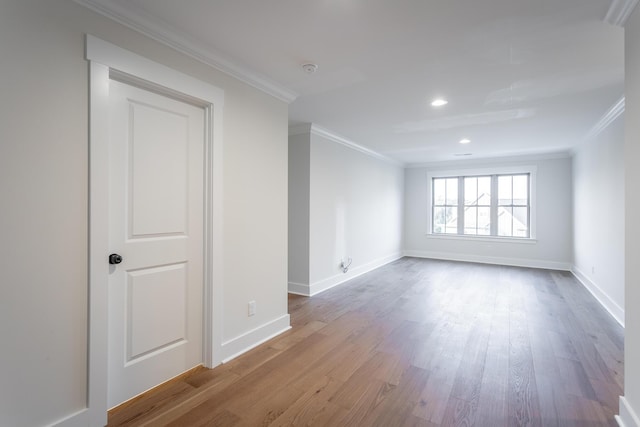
(484, 190)
(521, 190)
(505, 221)
(439, 219)
(470, 215)
(451, 226)
(470, 191)
(452, 191)
(484, 221)
(439, 191)
(504, 190)
(520, 221)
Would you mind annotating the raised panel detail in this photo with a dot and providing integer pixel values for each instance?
(158, 171)
(156, 312)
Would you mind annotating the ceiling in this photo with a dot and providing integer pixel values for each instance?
(521, 76)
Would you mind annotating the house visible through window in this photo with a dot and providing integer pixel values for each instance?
(486, 205)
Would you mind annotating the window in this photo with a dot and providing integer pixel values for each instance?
(445, 205)
(482, 205)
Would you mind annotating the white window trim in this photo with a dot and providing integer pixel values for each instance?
(502, 170)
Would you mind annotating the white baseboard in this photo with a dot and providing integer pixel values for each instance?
(298, 289)
(245, 342)
(605, 301)
(628, 417)
(80, 418)
(322, 285)
(515, 262)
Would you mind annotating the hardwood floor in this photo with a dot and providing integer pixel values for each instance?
(416, 343)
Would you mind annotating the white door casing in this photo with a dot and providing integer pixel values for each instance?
(108, 60)
(156, 176)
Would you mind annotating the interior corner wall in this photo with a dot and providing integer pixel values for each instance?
(552, 248)
(44, 192)
(299, 187)
(630, 404)
(356, 211)
(598, 220)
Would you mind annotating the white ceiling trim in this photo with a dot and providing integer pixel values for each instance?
(326, 133)
(619, 11)
(616, 110)
(189, 48)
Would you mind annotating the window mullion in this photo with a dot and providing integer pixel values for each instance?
(528, 205)
(494, 206)
(433, 205)
(513, 223)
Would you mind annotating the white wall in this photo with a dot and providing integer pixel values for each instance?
(552, 248)
(43, 189)
(630, 404)
(355, 204)
(356, 207)
(598, 220)
(299, 187)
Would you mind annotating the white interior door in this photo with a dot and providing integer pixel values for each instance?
(156, 216)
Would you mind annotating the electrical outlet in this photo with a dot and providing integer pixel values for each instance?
(252, 308)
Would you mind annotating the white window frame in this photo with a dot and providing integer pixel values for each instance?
(510, 170)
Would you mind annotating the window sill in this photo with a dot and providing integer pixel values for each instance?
(492, 239)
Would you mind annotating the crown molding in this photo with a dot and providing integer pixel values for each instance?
(613, 113)
(153, 30)
(312, 128)
(493, 160)
(619, 11)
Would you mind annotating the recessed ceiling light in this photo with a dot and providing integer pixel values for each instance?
(465, 141)
(309, 67)
(439, 102)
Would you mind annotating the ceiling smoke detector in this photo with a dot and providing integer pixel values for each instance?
(309, 67)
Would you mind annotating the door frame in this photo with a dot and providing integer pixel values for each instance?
(106, 62)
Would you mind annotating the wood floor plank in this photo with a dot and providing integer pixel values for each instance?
(208, 418)
(370, 395)
(179, 407)
(607, 394)
(588, 412)
(575, 378)
(379, 365)
(313, 406)
(248, 362)
(397, 408)
(492, 402)
(460, 412)
(137, 413)
(417, 342)
(563, 346)
(443, 369)
(293, 336)
(523, 402)
(470, 372)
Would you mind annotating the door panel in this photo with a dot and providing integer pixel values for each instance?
(159, 171)
(156, 309)
(156, 223)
